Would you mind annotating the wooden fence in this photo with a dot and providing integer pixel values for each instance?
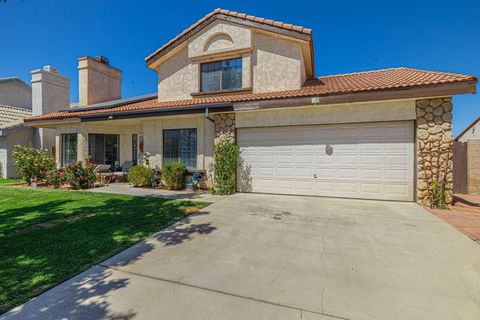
(460, 171)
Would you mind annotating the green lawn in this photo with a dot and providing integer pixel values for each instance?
(4, 182)
(48, 236)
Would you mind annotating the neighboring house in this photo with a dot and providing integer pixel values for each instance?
(466, 160)
(252, 80)
(50, 92)
(15, 105)
(472, 131)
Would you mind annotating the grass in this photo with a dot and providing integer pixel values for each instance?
(48, 236)
(5, 182)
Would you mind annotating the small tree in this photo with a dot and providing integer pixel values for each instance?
(224, 168)
(31, 162)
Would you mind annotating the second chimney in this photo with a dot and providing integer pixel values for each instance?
(98, 81)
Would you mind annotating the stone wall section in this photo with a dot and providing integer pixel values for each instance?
(434, 130)
(224, 127)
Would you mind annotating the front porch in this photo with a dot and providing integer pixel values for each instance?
(188, 139)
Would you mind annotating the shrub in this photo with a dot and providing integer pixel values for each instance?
(225, 166)
(173, 174)
(140, 176)
(80, 174)
(56, 178)
(31, 162)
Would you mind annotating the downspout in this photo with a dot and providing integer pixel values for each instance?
(207, 116)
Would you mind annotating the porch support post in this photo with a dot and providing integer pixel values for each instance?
(82, 146)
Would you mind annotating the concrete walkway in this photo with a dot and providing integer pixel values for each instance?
(282, 257)
(125, 188)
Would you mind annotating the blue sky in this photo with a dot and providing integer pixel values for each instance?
(349, 36)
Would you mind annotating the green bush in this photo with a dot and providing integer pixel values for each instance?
(224, 168)
(140, 176)
(31, 162)
(80, 174)
(173, 174)
(56, 178)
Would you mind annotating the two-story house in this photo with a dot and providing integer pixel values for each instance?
(252, 80)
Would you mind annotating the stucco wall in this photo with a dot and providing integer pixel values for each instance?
(14, 94)
(219, 36)
(97, 82)
(177, 77)
(472, 133)
(3, 158)
(153, 133)
(50, 93)
(152, 129)
(339, 113)
(269, 62)
(22, 136)
(277, 64)
(125, 131)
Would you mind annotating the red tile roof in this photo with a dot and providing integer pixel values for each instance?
(192, 29)
(387, 79)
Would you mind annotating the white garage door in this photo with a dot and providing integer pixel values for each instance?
(371, 161)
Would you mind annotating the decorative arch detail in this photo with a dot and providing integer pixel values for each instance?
(218, 41)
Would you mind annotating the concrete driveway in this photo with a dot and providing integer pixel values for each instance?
(282, 257)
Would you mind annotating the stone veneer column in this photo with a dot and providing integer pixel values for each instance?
(434, 124)
(224, 127)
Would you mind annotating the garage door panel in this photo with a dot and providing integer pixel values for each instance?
(372, 161)
(396, 174)
(347, 159)
(401, 160)
(347, 186)
(344, 173)
(326, 173)
(374, 173)
(304, 159)
(325, 186)
(373, 188)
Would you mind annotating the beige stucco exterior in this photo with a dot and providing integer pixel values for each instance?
(151, 128)
(270, 62)
(277, 63)
(329, 114)
(219, 36)
(177, 77)
(471, 133)
(14, 93)
(97, 82)
(19, 136)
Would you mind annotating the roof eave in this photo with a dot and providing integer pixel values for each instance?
(153, 57)
(417, 92)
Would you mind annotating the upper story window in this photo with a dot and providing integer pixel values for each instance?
(221, 75)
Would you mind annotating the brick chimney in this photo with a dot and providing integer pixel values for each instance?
(97, 81)
(50, 93)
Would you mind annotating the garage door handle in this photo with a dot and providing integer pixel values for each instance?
(315, 176)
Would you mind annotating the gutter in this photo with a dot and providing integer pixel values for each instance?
(218, 107)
